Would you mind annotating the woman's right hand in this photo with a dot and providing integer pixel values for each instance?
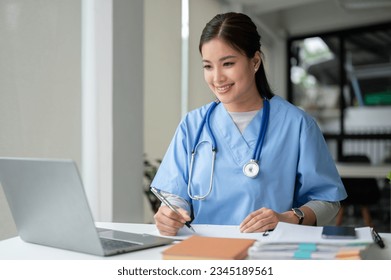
(168, 222)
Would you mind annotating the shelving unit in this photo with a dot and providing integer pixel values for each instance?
(360, 65)
(373, 71)
(358, 68)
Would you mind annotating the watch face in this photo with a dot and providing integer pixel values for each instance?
(298, 212)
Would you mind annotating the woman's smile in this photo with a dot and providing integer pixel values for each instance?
(224, 88)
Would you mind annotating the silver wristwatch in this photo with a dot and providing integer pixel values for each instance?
(298, 214)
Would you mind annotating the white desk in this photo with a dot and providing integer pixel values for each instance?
(356, 170)
(16, 249)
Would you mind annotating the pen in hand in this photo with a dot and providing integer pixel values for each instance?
(169, 205)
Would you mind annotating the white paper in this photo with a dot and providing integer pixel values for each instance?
(213, 231)
(283, 233)
(292, 233)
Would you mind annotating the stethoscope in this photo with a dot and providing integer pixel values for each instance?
(250, 169)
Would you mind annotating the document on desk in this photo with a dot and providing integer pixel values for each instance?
(290, 241)
(213, 231)
(291, 233)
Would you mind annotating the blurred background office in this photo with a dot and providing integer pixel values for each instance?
(106, 83)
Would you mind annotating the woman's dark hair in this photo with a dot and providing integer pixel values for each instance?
(239, 31)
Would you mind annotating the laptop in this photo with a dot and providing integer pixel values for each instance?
(49, 206)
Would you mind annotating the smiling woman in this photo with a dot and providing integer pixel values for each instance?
(226, 157)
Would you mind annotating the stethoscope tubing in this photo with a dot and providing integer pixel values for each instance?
(206, 121)
(265, 121)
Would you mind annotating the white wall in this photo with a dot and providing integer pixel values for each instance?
(41, 95)
(128, 91)
(40, 83)
(112, 108)
(162, 72)
(97, 103)
(303, 21)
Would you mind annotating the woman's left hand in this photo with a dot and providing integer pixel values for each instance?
(260, 220)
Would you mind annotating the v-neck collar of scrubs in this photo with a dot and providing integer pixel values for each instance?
(241, 146)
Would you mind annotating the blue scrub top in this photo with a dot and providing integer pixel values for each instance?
(295, 164)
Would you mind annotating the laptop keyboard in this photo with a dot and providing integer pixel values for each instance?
(111, 245)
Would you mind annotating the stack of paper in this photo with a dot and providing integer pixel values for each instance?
(290, 241)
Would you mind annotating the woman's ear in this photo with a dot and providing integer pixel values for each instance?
(257, 60)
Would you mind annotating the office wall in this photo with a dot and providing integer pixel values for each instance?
(41, 94)
(162, 78)
(128, 66)
(298, 19)
(40, 83)
(112, 108)
(162, 81)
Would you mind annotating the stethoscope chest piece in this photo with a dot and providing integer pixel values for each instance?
(251, 169)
